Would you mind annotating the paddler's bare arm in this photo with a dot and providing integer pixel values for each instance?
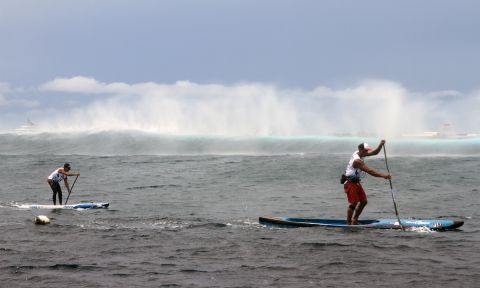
(62, 171)
(377, 150)
(361, 165)
(66, 184)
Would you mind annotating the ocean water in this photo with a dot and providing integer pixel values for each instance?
(184, 213)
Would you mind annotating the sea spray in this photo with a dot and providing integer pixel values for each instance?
(144, 143)
(380, 107)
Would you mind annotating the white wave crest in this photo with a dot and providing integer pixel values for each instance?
(374, 107)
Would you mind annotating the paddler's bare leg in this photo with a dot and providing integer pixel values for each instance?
(358, 211)
(350, 210)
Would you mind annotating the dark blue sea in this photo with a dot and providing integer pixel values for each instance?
(184, 212)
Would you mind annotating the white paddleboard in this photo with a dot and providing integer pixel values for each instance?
(69, 206)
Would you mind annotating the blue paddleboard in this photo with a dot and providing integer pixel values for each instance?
(433, 224)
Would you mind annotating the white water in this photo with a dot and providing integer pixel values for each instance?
(373, 107)
(142, 143)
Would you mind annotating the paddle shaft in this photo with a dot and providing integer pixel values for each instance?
(72, 189)
(391, 188)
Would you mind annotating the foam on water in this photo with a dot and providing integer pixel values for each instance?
(421, 230)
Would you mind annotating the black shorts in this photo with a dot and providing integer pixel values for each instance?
(56, 187)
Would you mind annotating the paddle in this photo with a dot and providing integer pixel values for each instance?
(71, 190)
(391, 188)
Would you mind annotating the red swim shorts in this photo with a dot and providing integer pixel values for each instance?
(355, 192)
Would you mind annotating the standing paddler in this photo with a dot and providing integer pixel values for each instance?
(357, 198)
(56, 177)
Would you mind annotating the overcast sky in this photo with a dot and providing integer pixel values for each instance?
(296, 50)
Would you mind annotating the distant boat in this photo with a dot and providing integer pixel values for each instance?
(439, 135)
(28, 128)
(445, 133)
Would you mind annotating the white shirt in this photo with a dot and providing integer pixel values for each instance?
(57, 176)
(354, 172)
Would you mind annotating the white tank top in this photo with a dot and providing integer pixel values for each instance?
(354, 172)
(57, 176)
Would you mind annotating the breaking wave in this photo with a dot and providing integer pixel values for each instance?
(143, 143)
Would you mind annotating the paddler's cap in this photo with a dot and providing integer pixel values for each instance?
(66, 166)
(365, 146)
